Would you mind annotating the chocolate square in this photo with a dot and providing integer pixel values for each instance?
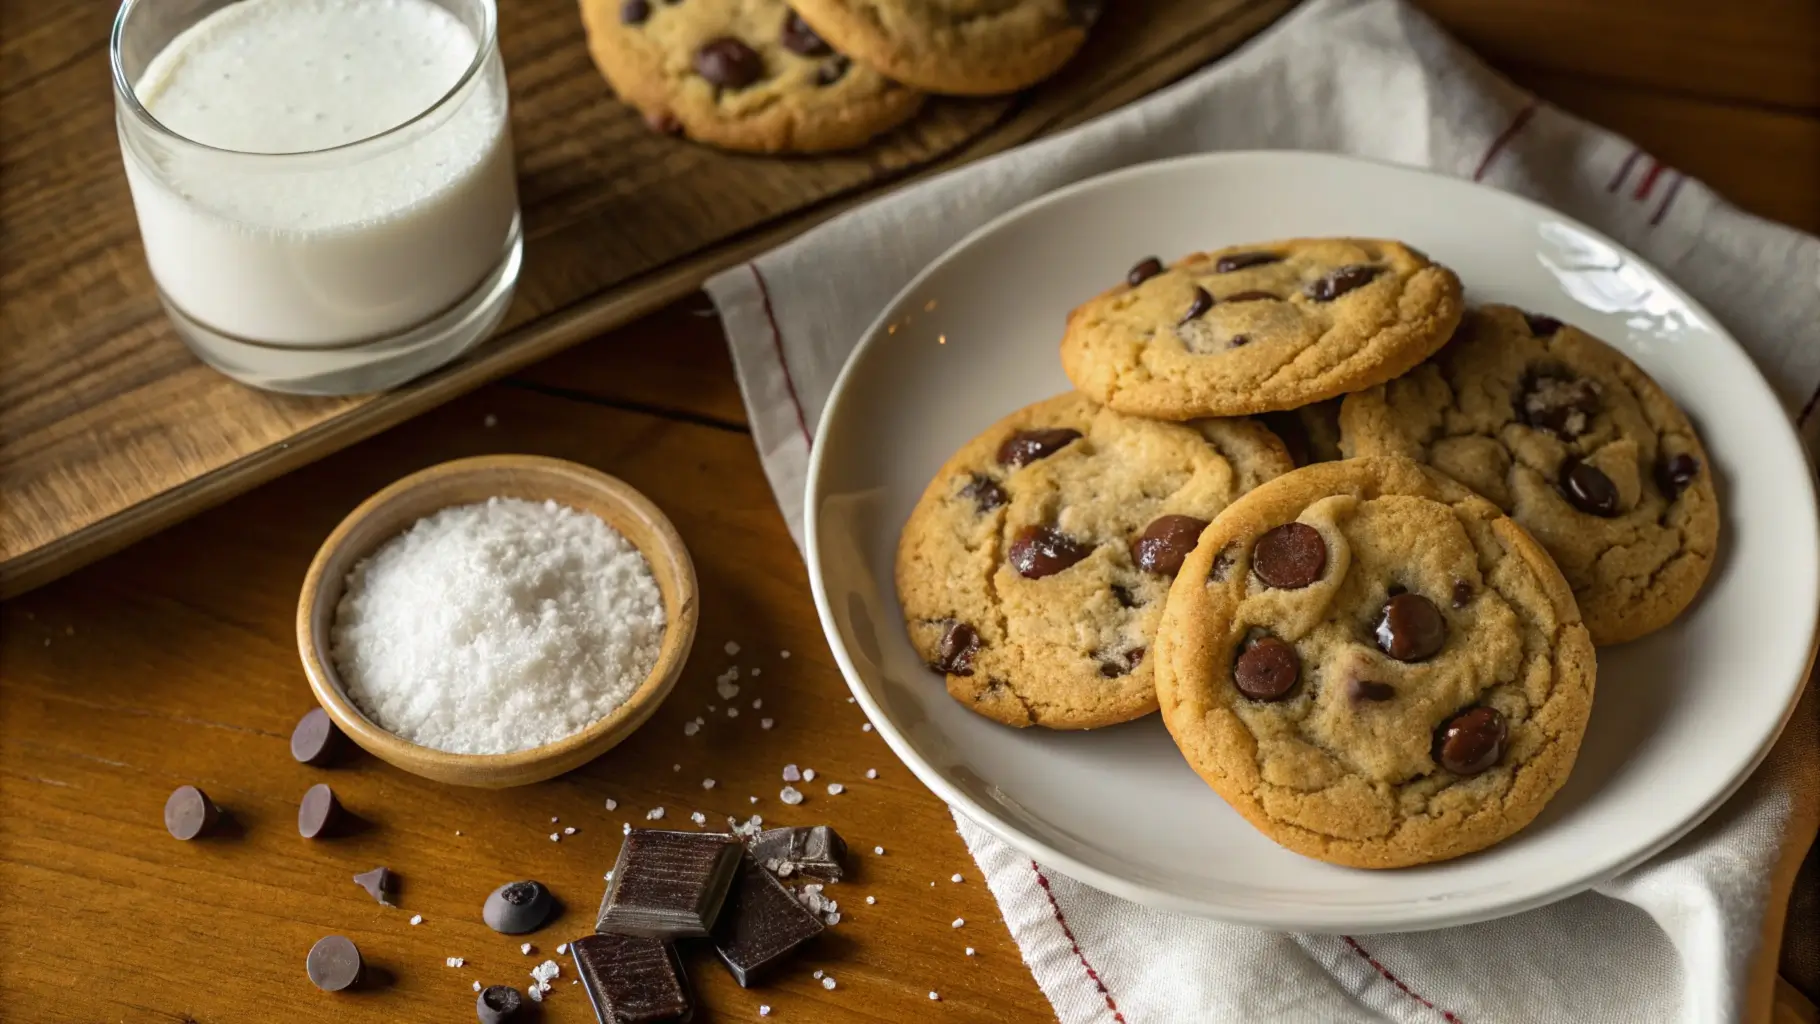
(814, 850)
(669, 885)
(632, 979)
(761, 925)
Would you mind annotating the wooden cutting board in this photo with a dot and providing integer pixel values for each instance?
(110, 429)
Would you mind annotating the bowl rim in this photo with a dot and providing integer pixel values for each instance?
(681, 618)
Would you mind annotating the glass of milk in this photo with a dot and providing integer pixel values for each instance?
(324, 187)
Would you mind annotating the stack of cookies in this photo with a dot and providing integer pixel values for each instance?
(819, 75)
(1356, 541)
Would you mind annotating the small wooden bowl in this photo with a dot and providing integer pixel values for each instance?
(463, 482)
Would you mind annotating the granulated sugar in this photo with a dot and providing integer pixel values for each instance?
(499, 626)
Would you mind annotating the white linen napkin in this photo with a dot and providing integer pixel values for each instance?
(1689, 937)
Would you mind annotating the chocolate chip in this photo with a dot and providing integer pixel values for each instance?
(1165, 542)
(1675, 472)
(1143, 271)
(1112, 668)
(1252, 296)
(1197, 307)
(498, 1004)
(1588, 489)
(1240, 260)
(1222, 566)
(634, 12)
(379, 883)
(315, 739)
(188, 813)
(1541, 326)
(1124, 596)
(1562, 405)
(517, 907)
(1471, 741)
(954, 655)
(1369, 689)
(985, 492)
(1462, 593)
(334, 963)
(1040, 551)
(1338, 282)
(319, 813)
(1267, 670)
(1410, 628)
(832, 70)
(1238, 341)
(1027, 446)
(1290, 556)
(669, 885)
(798, 37)
(728, 63)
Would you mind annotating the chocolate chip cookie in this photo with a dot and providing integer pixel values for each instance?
(1573, 440)
(1032, 572)
(743, 74)
(962, 47)
(1375, 666)
(1259, 328)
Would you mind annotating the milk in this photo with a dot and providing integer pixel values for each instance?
(325, 246)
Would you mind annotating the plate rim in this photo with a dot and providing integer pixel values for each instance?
(1307, 918)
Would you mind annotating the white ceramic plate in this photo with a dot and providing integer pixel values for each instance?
(1680, 718)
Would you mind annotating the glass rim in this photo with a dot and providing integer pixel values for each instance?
(126, 93)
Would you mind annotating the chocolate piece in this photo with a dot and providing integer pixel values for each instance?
(497, 1004)
(762, 925)
(815, 850)
(379, 883)
(960, 642)
(728, 63)
(188, 813)
(1562, 405)
(315, 740)
(798, 37)
(634, 12)
(1675, 472)
(517, 907)
(669, 885)
(1410, 628)
(1238, 341)
(1165, 542)
(1027, 446)
(1124, 596)
(1197, 306)
(1267, 670)
(1240, 260)
(1112, 668)
(334, 963)
(1144, 271)
(319, 814)
(1541, 326)
(631, 979)
(1289, 429)
(1039, 551)
(1222, 567)
(1338, 282)
(1369, 689)
(1471, 741)
(832, 70)
(1251, 296)
(1290, 557)
(1588, 489)
(985, 492)
(1462, 593)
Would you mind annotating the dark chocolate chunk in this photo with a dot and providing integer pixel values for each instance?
(631, 978)
(1338, 282)
(497, 1004)
(188, 813)
(1290, 557)
(1267, 669)
(1369, 690)
(728, 63)
(1165, 542)
(379, 883)
(1462, 593)
(1123, 665)
(517, 907)
(1410, 628)
(315, 740)
(761, 926)
(1541, 326)
(1238, 341)
(334, 963)
(813, 850)
(960, 642)
(669, 885)
(1675, 472)
(1251, 296)
(1027, 446)
(1039, 551)
(1289, 428)
(1197, 306)
(798, 37)
(985, 493)
(319, 814)
(1144, 271)
(832, 70)
(1471, 741)
(1588, 489)
(1124, 596)
(1240, 260)
(1560, 404)
(634, 12)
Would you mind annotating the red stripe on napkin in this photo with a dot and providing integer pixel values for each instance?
(777, 343)
(1398, 982)
(1668, 198)
(1498, 144)
(1648, 183)
(1624, 169)
(1069, 933)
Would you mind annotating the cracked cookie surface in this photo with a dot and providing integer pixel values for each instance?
(968, 47)
(1374, 666)
(1260, 328)
(1577, 443)
(743, 74)
(1033, 569)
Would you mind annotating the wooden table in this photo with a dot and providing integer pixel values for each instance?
(173, 661)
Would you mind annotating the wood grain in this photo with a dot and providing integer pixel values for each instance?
(110, 430)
